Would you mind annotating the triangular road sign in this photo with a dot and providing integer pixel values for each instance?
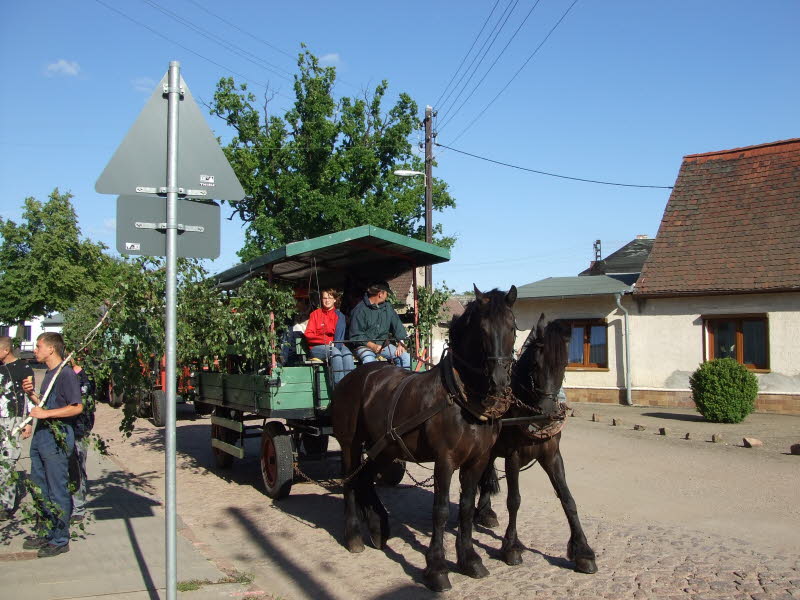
(139, 166)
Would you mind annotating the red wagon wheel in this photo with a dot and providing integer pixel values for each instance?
(277, 460)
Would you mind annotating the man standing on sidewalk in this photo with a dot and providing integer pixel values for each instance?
(52, 445)
(13, 409)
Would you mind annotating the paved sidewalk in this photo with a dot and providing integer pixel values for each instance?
(120, 555)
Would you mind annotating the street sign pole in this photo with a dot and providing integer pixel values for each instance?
(173, 96)
(145, 161)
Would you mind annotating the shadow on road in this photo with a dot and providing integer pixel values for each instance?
(675, 417)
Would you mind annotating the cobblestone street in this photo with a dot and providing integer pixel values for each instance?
(667, 518)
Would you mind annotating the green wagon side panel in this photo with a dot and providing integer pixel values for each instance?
(300, 386)
(304, 387)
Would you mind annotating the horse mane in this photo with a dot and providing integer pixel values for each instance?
(556, 352)
(494, 303)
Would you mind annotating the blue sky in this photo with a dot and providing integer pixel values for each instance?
(619, 92)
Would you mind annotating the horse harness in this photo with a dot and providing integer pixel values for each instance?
(489, 409)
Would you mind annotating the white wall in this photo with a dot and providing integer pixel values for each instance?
(667, 338)
(527, 312)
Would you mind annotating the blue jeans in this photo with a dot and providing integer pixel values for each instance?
(79, 497)
(341, 361)
(50, 473)
(365, 355)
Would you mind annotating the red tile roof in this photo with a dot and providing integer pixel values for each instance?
(732, 225)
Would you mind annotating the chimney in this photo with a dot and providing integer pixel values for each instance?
(642, 236)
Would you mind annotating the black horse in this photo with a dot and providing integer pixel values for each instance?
(447, 415)
(536, 380)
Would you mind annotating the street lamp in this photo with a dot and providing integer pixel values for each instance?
(407, 173)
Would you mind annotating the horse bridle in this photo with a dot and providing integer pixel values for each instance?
(485, 371)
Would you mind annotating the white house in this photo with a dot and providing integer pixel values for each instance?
(722, 280)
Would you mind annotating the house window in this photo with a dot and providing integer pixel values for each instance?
(588, 346)
(4, 331)
(741, 337)
(26, 336)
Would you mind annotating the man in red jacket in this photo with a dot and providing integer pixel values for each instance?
(325, 334)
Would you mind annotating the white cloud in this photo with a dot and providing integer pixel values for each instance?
(331, 59)
(144, 84)
(70, 68)
(110, 225)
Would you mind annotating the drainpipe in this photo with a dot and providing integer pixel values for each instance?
(627, 352)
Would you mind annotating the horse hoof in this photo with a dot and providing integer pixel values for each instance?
(488, 520)
(438, 582)
(512, 557)
(475, 569)
(378, 540)
(355, 546)
(585, 565)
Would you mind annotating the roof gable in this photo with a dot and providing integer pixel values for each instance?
(732, 224)
(628, 259)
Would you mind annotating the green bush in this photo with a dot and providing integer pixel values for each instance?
(724, 391)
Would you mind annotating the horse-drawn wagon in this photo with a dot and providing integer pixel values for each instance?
(286, 404)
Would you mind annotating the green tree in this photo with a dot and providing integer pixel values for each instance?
(325, 165)
(44, 263)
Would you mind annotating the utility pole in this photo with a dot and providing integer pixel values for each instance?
(429, 189)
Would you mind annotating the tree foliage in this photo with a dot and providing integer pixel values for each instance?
(44, 263)
(430, 305)
(324, 165)
(211, 324)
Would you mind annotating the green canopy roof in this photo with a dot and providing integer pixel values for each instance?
(365, 253)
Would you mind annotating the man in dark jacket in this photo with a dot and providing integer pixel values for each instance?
(373, 323)
(13, 409)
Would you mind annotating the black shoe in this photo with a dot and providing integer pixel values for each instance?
(76, 519)
(52, 550)
(34, 542)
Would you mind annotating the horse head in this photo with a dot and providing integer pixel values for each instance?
(482, 341)
(539, 372)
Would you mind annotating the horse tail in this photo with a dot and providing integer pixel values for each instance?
(489, 481)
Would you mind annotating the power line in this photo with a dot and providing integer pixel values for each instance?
(247, 33)
(220, 41)
(261, 40)
(527, 60)
(512, 4)
(497, 162)
(162, 36)
(463, 60)
(497, 58)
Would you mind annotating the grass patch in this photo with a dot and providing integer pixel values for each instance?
(192, 585)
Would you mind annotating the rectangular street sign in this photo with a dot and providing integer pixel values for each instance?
(141, 227)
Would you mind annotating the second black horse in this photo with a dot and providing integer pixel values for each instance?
(536, 380)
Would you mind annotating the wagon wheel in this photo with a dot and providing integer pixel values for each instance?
(315, 445)
(277, 460)
(158, 408)
(143, 405)
(391, 474)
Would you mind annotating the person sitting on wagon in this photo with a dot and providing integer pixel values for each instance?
(372, 322)
(324, 334)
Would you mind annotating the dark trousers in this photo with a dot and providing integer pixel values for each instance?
(50, 473)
